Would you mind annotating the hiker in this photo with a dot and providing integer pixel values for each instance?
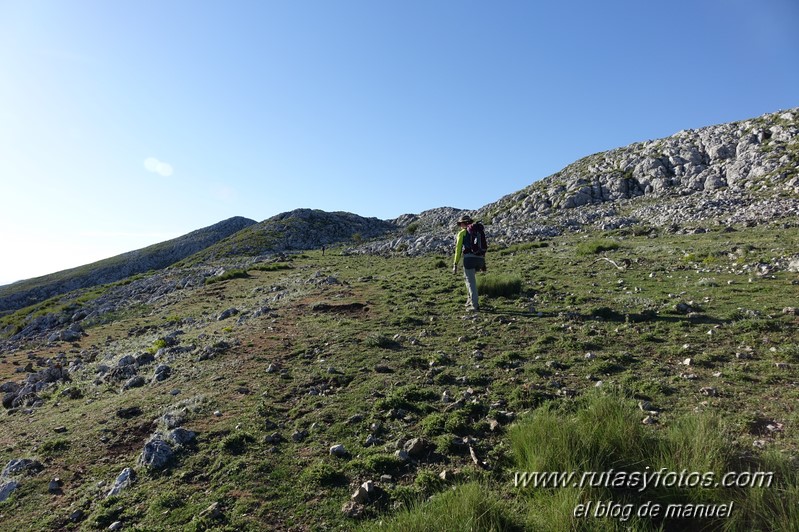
(470, 245)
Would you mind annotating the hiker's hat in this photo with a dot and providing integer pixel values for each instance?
(465, 219)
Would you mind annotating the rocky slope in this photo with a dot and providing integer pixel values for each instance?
(741, 172)
(731, 173)
(155, 257)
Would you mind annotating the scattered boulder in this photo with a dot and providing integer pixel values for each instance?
(7, 488)
(417, 447)
(338, 451)
(21, 465)
(364, 493)
(162, 372)
(157, 453)
(227, 314)
(181, 436)
(123, 481)
(134, 382)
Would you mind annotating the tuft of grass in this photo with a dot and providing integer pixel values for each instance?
(596, 246)
(499, 285)
(688, 463)
(273, 267)
(470, 506)
(232, 274)
(236, 443)
(322, 474)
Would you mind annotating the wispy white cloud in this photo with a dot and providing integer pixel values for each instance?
(164, 169)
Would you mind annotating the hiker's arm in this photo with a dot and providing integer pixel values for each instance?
(458, 249)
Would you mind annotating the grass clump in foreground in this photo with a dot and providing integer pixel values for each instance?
(624, 476)
(467, 507)
(656, 479)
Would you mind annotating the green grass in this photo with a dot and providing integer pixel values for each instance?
(468, 507)
(549, 378)
(596, 246)
(491, 285)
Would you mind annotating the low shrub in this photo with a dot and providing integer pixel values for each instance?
(499, 285)
(595, 247)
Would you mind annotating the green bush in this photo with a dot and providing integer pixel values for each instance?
(236, 443)
(595, 247)
(499, 285)
(273, 267)
(322, 474)
(232, 274)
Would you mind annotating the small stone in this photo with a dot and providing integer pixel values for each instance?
(403, 455)
(687, 362)
(55, 485)
(213, 511)
(386, 478)
(116, 525)
(372, 440)
(649, 420)
(217, 413)
(338, 450)
(416, 446)
(60, 430)
(275, 437)
(707, 390)
(352, 509)
(364, 492)
(7, 488)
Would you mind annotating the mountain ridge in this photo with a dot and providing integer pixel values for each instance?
(737, 172)
(29, 291)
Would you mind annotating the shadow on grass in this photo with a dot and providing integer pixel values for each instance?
(610, 315)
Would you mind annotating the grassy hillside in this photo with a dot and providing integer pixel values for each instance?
(593, 352)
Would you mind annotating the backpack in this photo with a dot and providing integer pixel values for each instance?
(475, 241)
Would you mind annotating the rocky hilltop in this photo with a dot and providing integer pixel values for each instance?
(297, 230)
(155, 257)
(740, 172)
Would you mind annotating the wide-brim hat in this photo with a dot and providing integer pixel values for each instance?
(465, 219)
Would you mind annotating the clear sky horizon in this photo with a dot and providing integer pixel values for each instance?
(127, 123)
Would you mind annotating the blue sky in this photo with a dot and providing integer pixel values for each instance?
(127, 123)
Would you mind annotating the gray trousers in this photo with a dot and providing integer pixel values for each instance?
(470, 275)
